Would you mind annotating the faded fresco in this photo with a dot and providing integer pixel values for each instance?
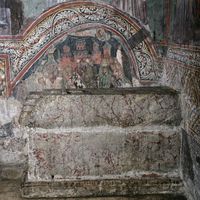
(77, 154)
(87, 59)
(184, 75)
(2, 76)
(5, 21)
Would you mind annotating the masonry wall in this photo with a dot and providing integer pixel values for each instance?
(187, 81)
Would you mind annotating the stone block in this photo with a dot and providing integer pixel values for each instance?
(12, 172)
(52, 111)
(12, 158)
(10, 190)
(62, 154)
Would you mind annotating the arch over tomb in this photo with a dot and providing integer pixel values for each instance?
(80, 34)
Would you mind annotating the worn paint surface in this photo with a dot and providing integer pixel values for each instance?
(94, 58)
(11, 17)
(87, 153)
(138, 49)
(186, 57)
(182, 73)
(95, 154)
(94, 110)
(2, 75)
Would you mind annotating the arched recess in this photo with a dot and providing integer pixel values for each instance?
(58, 22)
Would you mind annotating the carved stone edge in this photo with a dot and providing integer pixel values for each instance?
(103, 187)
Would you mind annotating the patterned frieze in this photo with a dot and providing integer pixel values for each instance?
(4, 72)
(184, 56)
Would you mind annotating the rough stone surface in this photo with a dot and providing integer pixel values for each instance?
(12, 173)
(95, 110)
(10, 190)
(185, 77)
(13, 159)
(191, 164)
(103, 188)
(137, 197)
(96, 152)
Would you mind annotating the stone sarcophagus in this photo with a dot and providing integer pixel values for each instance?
(92, 143)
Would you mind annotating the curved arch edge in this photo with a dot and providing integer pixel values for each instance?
(25, 49)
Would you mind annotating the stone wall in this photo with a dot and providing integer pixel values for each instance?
(181, 72)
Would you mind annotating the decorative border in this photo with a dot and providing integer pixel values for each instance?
(25, 49)
(4, 75)
(186, 56)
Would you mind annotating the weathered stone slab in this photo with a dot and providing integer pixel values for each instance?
(11, 172)
(135, 197)
(53, 111)
(10, 190)
(101, 151)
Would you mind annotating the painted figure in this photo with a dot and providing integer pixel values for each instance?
(66, 68)
(49, 76)
(118, 78)
(2, 76)
(105, 72)
(86, 70)
(96, 55)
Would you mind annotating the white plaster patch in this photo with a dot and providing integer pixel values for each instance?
(9, 110)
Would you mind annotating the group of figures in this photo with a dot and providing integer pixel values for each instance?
(99, 70)
(82, 64)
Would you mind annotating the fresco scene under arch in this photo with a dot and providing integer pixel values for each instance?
(92, 58)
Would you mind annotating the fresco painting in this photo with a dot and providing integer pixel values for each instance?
(2, 76)
(93, 58)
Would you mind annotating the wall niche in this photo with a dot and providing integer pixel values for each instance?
(92, 58)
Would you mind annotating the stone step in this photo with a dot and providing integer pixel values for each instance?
(104, 187)
(135, 197)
